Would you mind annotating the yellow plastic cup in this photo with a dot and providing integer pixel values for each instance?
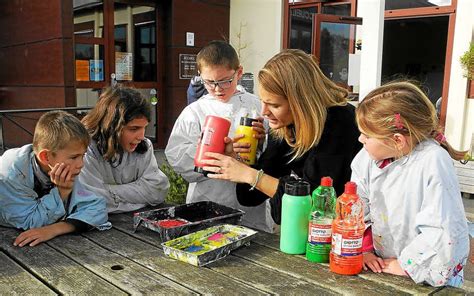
(245, 128)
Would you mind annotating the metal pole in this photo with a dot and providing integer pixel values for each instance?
(1, 133)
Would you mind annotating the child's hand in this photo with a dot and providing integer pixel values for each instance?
(372, 262)
(61, 176)
(240, 147)
(233, 149)
(35, 236)
(392, 266)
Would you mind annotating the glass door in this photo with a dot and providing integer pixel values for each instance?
(334, 41)
(118, 41)
(134, 53)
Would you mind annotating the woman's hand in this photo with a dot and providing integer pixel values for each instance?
(260, 129)
(228, 168)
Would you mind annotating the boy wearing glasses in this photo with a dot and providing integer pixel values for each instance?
(220, 69)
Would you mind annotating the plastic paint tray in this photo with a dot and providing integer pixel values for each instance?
(208, 245)
(195, 216)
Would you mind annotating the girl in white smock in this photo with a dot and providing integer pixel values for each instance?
(120, 163)
(406, 177)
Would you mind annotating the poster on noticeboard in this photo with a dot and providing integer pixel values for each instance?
(96, 69)
(123, 66)
(82, 70)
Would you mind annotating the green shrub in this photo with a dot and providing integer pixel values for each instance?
(178, 186)
(467, 62)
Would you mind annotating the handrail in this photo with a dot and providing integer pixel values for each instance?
(45, 109)
(6, 113)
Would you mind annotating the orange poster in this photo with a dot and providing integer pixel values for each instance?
(82, 70)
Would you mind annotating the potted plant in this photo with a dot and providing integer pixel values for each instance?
(467, 63)
(178, 186)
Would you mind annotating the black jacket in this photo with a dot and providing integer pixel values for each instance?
(332, 157)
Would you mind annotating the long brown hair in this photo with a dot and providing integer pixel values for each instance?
(115, 108)
(296, 76)
(401, 107)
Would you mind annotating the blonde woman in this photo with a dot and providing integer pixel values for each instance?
(313, 133)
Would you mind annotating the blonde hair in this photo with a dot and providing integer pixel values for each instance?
(218, 53)
(56, 129)
(401, 107)
(115, 108)
(296, 76)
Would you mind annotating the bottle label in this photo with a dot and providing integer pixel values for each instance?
(319, 233)
(207, 136)
(350, 245)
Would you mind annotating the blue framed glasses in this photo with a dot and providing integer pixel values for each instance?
(224, 84)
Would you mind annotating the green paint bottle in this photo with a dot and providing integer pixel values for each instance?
(295, 209)
(321, 216)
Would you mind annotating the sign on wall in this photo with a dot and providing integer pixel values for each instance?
(123, 66)
(187, 66)
(247, 82)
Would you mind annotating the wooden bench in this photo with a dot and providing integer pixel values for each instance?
(120, 262)
(465, 173)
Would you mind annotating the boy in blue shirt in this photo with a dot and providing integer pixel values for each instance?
(38, 191)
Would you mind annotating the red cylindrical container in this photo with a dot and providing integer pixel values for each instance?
(347, 232)
(213, 132)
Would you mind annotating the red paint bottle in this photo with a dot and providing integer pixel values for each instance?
(347, 232)
(213, 132)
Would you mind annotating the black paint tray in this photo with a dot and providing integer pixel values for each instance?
(196, 216)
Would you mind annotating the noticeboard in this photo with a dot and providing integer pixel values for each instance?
(187, 66)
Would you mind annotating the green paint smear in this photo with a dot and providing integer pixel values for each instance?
(204, 241)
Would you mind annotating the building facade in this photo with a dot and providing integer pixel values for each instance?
(61, 53)
(363, 43)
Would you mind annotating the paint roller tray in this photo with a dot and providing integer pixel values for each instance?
(176, 221)
(208, 245)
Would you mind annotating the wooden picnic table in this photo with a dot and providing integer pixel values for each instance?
(121, 262)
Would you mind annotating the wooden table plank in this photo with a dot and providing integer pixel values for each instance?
(17, 281)
(118, 270)
(50, 266)
(401, 283)
(269, 280)
(199, 279)
(314, 273)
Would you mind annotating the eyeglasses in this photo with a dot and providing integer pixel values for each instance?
(224, 84)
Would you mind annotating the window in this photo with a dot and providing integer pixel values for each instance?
(301, 28)
(397, 4)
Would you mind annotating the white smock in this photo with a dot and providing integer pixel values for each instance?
(182, 146)
(415, 208)
(133, 184)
